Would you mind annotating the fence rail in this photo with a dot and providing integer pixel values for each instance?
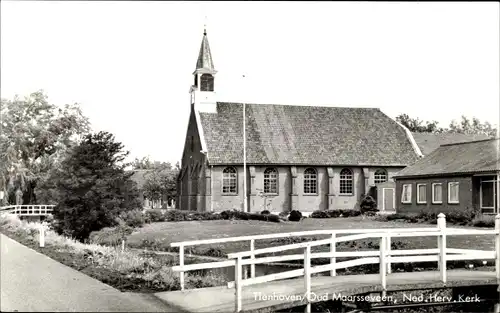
(384, 256)
(28, 210)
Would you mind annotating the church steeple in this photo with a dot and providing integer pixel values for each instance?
(205, 56)
(203, 89)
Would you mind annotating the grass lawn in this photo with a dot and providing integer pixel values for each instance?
(160, 235)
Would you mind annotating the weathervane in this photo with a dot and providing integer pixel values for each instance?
(205, 26)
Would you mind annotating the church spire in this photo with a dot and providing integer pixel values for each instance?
(203, 96)
(205, 56)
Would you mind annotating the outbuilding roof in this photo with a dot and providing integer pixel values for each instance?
(459, 158)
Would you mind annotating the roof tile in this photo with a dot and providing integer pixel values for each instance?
(285, 134)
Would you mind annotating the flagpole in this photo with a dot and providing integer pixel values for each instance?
(244, 158)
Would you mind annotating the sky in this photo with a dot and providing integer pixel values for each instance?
(129, 64)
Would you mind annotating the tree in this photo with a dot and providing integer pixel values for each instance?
(417, 125)
(466, 126)
(474, 126)
(161, 181)
(93, 187)
(34, 137)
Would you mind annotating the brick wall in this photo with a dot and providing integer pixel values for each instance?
(465, 195)
(284, 200)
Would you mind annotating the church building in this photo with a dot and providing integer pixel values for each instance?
(303, 158)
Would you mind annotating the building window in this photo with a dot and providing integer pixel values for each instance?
(453, 188)
(229, 181)
(271, 180)
(437, 193)
(310, 181)
(380, 176)
(421, 193)
(346, 182)
(406, 193)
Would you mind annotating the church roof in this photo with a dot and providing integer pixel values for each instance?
(205, 56)
(458, 158)
(308, 135)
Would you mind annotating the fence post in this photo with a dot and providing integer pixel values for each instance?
(497, 247)
(441, 222)
(123, 245)
(237, 284)
(383, 265)
(252, 256)
(42, 236)
(307, 277)
(388, 249)
(181, 263)
(333, 259)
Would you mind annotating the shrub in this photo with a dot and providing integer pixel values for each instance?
(110, 236)
(154, 215)
(133, 218)
(368, 204)
(460, 217)
(295, 216)
(265, 212)
(484, 221)
(320, 214)
(408, 217)
(335, 213)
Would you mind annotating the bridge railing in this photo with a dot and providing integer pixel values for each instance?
(383, 257)
(26, 210)
(331, 234)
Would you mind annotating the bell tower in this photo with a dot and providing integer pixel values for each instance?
(203, 89)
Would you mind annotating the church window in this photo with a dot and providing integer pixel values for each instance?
(229, 180)
(271, 180)
(380, 176)
(346, 182)
(310, 181)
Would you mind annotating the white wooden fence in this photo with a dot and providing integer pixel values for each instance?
(385, 256)
(28, 210)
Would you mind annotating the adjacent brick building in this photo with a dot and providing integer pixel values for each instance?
(298, 157)
(454, 176)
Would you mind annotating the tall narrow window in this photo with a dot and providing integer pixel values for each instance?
(453, 190)
(229, 181)
(346, 182)
(380, 176)
(437, 193)
(310, 181)
(270, 180)
(406, 193)
(421, 193)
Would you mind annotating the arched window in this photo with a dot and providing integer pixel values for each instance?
(380, 176)
(270, 180)
(207, 82)
(310, 181)
(229, 180)
(346, 182)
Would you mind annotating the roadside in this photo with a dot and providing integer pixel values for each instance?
(33, 282)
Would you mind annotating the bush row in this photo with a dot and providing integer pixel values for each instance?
(465, 217)
(136, 218)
